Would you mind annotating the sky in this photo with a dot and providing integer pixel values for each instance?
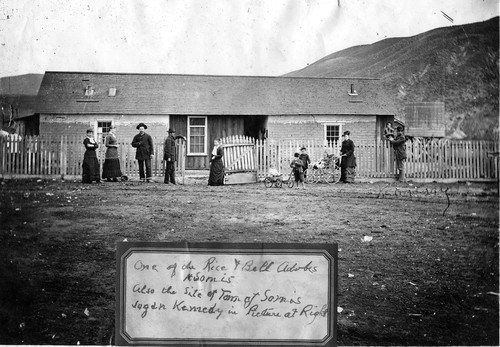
(214, 37)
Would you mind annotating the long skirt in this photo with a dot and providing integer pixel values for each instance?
(350, 173)
(90, 166)
(216, 177)
(348, 169)
(111, 166)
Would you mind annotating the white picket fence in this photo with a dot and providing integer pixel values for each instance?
(427, 159)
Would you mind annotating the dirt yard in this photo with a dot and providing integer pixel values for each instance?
(429, 275)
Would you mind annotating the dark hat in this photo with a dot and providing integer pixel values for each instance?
(171, 130)
(141, 125)
(347, 133)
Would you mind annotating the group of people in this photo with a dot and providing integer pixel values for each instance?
(111, 170)
(300, 163)
(143, 143)
(396, 137)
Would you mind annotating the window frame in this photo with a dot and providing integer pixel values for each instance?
(96, 129)
(325, 133)
(89, 91)
(205, 140)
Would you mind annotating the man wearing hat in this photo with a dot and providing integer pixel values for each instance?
(145, 151)
(399, 146)
(170, 156)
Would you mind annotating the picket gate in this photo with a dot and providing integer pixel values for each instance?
(239, 159)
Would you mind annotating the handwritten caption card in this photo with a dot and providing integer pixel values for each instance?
(170, 293)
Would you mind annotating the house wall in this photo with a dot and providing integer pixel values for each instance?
(158, 125)
(72, 125)
(307, 127)
(217, 127)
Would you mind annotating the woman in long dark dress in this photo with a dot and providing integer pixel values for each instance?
(91, 169)
(216, 177)
(111, 167)
(348, 160)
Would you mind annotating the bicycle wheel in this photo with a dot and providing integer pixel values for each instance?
(291, 180)
(321, 176)
(329, 176)
(315, 176)
(336, 174)
(278, 183)
(332, 175)
(308, 176)
(267, 182)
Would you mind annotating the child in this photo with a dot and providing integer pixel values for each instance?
(298, 170)
(323, 162)
(273, 172)
(305, 158)
(389, 130)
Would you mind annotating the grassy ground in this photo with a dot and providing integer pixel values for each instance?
(429, 276)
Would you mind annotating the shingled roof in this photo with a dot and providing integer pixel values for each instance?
(138, 94)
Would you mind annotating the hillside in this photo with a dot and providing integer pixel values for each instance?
(457, 65)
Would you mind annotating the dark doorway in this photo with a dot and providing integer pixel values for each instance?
(255, 126)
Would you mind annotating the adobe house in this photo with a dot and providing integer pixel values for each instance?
(203, 107)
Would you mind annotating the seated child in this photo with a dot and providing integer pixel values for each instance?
(328, 160)
(320, 164)
(273, 171)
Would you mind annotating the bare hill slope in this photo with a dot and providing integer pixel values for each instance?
(457, 65)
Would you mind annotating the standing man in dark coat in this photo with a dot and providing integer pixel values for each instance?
(348, 160)
(399, 146)
(145, 151)
(170, 157)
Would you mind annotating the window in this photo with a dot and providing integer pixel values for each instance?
(89, 91)
(197, 135)
(103, 130)
(332, 134)
(112, 91)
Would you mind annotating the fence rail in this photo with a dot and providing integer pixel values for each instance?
(63, 155)
(427, 159)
